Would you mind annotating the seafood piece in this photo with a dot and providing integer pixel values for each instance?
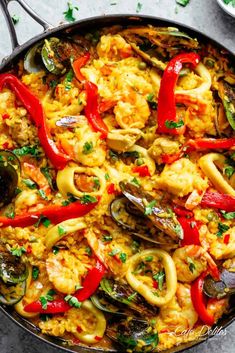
(11, 294)
(124, 294)
(121, 140)
(161, 215)
(102, 304)
(9, 169)
(227, 95)
(191, 261)
(33, 59)
(222, 125)
(12, 269)
(135, 335)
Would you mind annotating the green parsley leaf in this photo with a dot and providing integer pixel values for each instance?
(107, 177)
(132, 296)
(10, 213)
(88, 251)
(18, 251)
(114, 252)
(45, 317)
(68, 80)
(55, 250)
(42, 194)
(182, 2)
(72, 301)
(151, 102)
(88, 147)
(191, 264)
(28, 150)
(78, 286)
(15, 19)
(35, 272)
(170, 124)
(61, 230)
(46, 172)
(107, 238)
(149, 208)
(50, 295)
(123, 257)
(46, 222)
(53, 83)
(228, 215)
(229, 171)
(139, 268)
(43, 301)
(149, 258)
(96, 183)
(29, 183)
(139, 7)
(68, 15)
(17, 191)
(85, 199)
(135, 181)
(222, 228)
(159, 277)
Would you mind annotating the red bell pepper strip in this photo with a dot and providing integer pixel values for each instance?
(142, 170)
(220, 201)
(226, 238)
(199, 300)
(92, 110)
(53, 307)
(91, 281)
(210, 143)
(34, 108)
(55, 213)
(166, 98)
(182, 212)
(191, 233)
(170, 158)
(78, 64)
(90, 285)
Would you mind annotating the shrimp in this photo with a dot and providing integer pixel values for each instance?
(179, 313)
(36, 175)
(191, 261)
(64, 271)
(222, 250)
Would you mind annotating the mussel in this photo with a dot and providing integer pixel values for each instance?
(11, 294)
(9, 170)
(149, 212)
(227, 95)
(222, 288)
(134, 335)
(33, 60)
(122, 294)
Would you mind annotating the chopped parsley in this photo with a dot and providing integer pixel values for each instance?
(61, 230)
(139, 7)
(15, 19)
(18, 251)
(182, 2)
(159, 277)
(114, 252)
(152, 103)
(107, 177)
(43, 301)
(35, 272)
(29, 183)
(229, 171)
(135, 181)
(55, 250)
(222, 228)
(28, 150)
(228, 215)
(46, 172)
(68, 15)
(42, 219)
(123, 257)
(10, 213)
(191, 264)
(17, 191)
(231, 2)
(170, 124)
(149, 258)
(107, 237)
(96, 183)
(73, 301)
(42, 194)
(49, 297)
(68, 80)
(53, 83)
(149, 208)
(88, 251)
(88, 147)
(85, 199)
(132, 296)
(139, 268)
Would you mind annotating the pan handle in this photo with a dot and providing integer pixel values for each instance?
(10, 24)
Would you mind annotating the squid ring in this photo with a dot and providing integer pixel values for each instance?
(99, 329)
(208, 165)
(66, 227)
(143, 289)
(65, 180)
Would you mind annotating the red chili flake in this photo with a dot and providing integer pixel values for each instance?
(29, 249)
(226, 238)
(117, 259)
(79, 329)
(155, 284)
(5, 116)
(164, 330)
(98, 338)
(142, 170)
(111, 189)
(5, 145)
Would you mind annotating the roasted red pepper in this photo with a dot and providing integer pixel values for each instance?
(170, 158)
(210, 143)
(90, 285)
(78, 64)
(191, 233)
(199, 300)
(91, 281)
(166, 98)
(182, 212)
(142, 170)
(92, 109)
(220, 201)
(55, 213)
(34, 108)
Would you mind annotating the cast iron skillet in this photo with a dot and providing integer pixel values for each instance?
(83, 25)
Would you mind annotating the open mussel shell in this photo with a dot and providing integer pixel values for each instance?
(227, 95)
(161, 214)
(103, 304)
(9, 170)
(222, 288)
(11, 294)
(12, 269)
(33, 59)
(133, 334)
(121, 293)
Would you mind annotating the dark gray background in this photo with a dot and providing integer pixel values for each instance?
(204, 15)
